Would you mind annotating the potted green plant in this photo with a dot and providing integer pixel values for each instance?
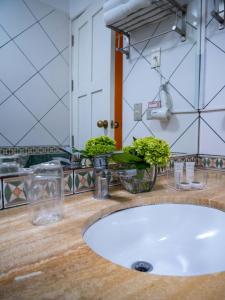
(139, 163)
(99, 149)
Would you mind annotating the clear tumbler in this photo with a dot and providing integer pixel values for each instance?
(45, 193)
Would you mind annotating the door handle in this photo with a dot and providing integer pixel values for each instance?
(102, 123)
(115, 124)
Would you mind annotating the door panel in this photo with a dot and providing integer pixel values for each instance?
(99, 40)
(118, 115)
(98, 100)
(93, 74)
(83, 62)
(84, 121)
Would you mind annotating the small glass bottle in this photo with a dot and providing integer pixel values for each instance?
(45, 193)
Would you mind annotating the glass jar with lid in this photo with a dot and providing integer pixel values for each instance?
(9, 164)
(44, 188)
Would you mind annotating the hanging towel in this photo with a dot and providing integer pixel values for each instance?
(121, 11)
(110, 4)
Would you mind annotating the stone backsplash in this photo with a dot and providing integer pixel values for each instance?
(82, 180)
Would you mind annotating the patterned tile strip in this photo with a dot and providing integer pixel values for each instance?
(1, 199)
(14, 192)
(68, 183)
(212, 162)
(82, 180)
(28, 150)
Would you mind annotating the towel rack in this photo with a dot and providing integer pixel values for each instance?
(219, 12)
(158, 11)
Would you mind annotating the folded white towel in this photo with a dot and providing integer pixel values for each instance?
(113, 15)
(110, 4)
(122, 11)
(134, 5)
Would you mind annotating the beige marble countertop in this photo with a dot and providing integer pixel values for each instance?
(53, 262)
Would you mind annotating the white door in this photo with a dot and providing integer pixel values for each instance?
(93, 75)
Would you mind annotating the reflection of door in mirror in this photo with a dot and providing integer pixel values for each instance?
(93, 75)
(118, 97)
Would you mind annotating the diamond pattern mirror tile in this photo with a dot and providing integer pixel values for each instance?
(34, 74)
(83, 180)
(14, 192)
(1, 200)
(197, 105)
(212, 127)
(68, 182)
(177, 63)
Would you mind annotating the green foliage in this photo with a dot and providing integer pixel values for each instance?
(126, 158)
(83, 153)
(153, 150)
(99, 146)
(144, 152)
(74, 150)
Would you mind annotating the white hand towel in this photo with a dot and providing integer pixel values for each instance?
(122, 11)
(110, 4)
(114, 15)
(133, 5)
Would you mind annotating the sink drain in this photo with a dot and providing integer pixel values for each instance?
(142, 266)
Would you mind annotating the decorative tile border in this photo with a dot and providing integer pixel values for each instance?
(13, 189)
(202, 161)
(82, 180)
(29, 150)
(181, 158)
(212, 162)
(177, 158)
(1, 198)
(13, 192)
(68, 182)
(206, 161)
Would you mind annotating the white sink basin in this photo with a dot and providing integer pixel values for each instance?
(176, 239)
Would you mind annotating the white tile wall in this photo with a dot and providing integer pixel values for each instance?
(4, 92)
(15, 120)
(3, 37)
(65, 54)
(34, 60)
(15, 68)
(4, 141)
(141, 84)
(57, 28)
(211, 137)
(212, 133)
(212, 126)
(66, 100)
(57, 128)
(36, 46)
(34, 74)
(38, 9)
(40, 133)
(179, 65)
(15, 17)
(57, 75)
(45, 96)
(214, 61)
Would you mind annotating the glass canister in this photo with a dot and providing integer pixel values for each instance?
(138, 180)
(45, 193)
(9, 164)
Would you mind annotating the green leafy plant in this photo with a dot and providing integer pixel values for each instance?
(82, 153)
(144, 152)
(99, 146)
